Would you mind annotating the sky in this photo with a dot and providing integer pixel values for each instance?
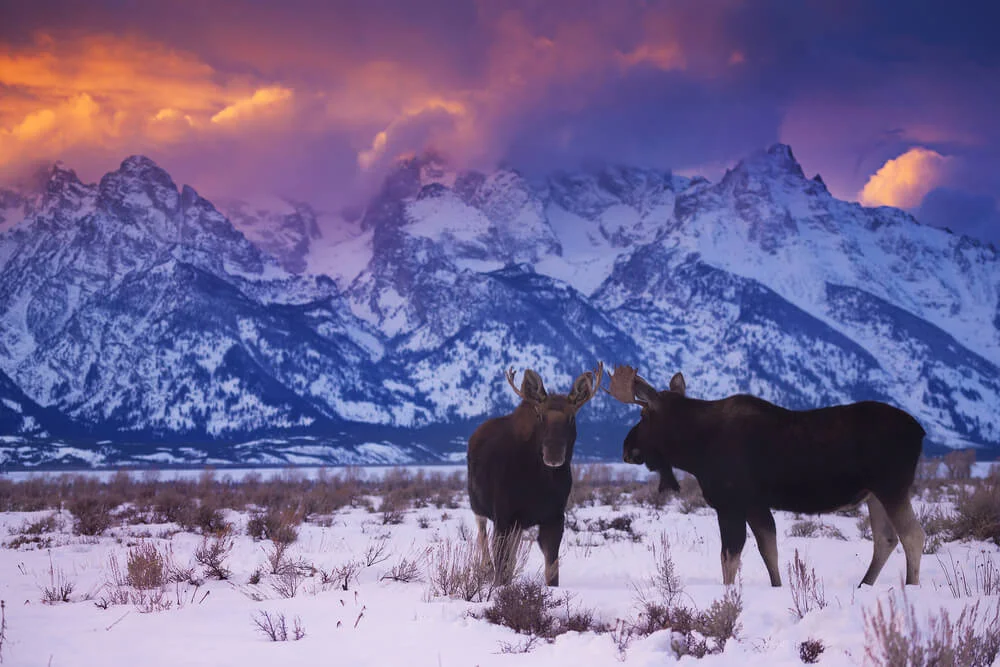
(893, 102)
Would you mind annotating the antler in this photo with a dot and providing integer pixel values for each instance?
(509, 374)
(598, 376)
(623, 386)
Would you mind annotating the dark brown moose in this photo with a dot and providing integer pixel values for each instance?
(519, 469)
(751, 456)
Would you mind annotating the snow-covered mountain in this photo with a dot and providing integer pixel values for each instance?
(139, 310)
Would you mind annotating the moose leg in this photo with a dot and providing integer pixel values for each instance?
(481, 542)
(762, 524)
(910, 534)
(883, 537)
(549, 538)
(506, 541)
(733, 530)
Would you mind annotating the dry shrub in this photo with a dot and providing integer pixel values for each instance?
(46, 524)
(616, 529)
(666, 582)
(147, 567)
(406, 570)
(178, 501)
(986, 579)
(935, 523)
(170, 505)
(377, 551)
(895, 636)
(391, 509)
(691, 498)
(810, 650)
(513, 552)
(814, 528)
(807, 589)
(286, 583)
(275, 627)
(134, 584)
(977, 512)
(649, 495)
(343, 575)
(524, 606)
(35, 533)
(59, 587)
(721, 621)
(279, 526)
(91, 514)
(460, 570)
(696, 633)
(927, 469)
(958, 464)
(933, 520)
(212, 555)
(280, 563)
(204, 518)
(587, 479)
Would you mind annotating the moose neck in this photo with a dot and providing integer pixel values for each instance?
(689, 434)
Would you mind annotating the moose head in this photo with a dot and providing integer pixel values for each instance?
(553, 416)
(648, 442)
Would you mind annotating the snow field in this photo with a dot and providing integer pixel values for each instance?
(378, 621)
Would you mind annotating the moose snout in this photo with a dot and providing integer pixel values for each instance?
(553, 461)
(553, 454)
(633, 455)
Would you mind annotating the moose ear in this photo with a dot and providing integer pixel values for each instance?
(583, 389)
(532, 386)
(677, 384)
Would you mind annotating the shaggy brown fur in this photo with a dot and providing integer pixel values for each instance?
(751, 456)
(519, 469)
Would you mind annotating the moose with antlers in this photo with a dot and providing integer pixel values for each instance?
(751, 456)
(519, 469)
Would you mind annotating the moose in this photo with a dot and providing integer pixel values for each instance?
(751, 456)
(519, 469)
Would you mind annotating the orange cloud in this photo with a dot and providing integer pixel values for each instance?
(262, 99)
(117, 93)
(905, 180)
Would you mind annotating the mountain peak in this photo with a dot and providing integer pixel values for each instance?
(774, 165)
(776, 160)
(140, 165)
(56, 175)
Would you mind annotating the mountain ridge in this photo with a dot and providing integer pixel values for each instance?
(137, 309)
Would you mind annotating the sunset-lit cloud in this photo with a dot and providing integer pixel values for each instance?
(905, 181)
(317, 99)
(107, 92)
(262, 100)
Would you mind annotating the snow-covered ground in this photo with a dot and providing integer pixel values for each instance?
(381, 622)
